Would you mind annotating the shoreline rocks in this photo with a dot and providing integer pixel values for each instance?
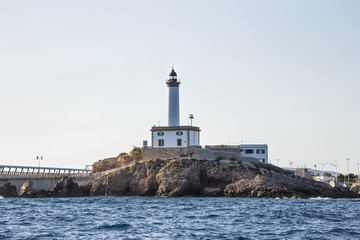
(183, 177)
(8, 191)
(65, 187)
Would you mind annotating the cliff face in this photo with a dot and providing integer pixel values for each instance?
(180, 176)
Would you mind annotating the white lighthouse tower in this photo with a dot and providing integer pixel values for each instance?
(174, 135)
(173, 111)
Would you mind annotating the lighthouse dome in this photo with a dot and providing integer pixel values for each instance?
(172, 73)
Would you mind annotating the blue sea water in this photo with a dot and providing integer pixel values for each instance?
(178, 218)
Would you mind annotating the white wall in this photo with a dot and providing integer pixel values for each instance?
(262, 157)
(194, 138)
(170, 138)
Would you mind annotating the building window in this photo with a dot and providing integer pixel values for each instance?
(260, 151)
(179, 133)
(161, 142)
(249, 151)
(179, 142)
(241, 150)
(160, 133)
(261, 160)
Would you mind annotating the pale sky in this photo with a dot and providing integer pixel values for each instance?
(85, 80)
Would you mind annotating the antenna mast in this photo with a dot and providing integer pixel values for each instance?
(191, 116)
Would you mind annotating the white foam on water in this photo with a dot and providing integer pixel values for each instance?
(320, 198)
(1, 197)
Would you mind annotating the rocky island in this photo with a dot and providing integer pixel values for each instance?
(132, 175)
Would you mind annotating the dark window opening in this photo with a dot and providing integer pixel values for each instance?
(260, 151)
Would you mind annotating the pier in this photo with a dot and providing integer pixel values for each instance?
(43, 178)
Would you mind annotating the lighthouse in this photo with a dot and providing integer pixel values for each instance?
(174, 135)
(173, 97)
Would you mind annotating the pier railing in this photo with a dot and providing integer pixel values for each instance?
(42, 171)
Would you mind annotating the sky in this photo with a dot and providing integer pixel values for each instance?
(85, 80)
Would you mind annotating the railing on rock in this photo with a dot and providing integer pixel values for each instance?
(42, 171)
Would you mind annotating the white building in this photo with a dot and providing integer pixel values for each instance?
(174, 135)
(258, 151)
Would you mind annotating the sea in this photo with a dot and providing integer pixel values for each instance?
(178, 218)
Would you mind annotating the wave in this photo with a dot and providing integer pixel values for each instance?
(320, 198)
(116, 226)
(1, 197)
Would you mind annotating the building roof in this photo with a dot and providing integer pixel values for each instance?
(174, 128)
(253, 145)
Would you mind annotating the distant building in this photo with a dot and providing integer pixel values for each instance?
(258, 151)
(304, 172)
(324, 179)
(174, 135)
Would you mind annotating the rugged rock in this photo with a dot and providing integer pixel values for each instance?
(139, 180)
(182, 176)
(35, 194)
(179, 178)
(65, 187)
(335, 184)
(355, 189)
(105, 164)
(115, 162)
(345, 188)
(86, 188)
(26, 188)
(7, 190)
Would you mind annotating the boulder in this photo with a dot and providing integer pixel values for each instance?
(26, 188)
(8, 191)
(355, 187)
(66, 187)
(345, 188)
(335, 184)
